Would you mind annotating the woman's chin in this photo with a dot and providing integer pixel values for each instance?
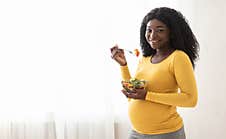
(154, 46)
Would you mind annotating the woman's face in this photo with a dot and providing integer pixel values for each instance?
(157, 34)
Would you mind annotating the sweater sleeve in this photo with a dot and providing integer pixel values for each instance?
(125, 73)
(184, 75)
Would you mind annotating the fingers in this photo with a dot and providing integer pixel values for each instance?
(114, 53)
(116, 50)
(124, 92)
(121, 50)
(114, 47)
(139, 94)
(134, 94)
(117, 53)
(130, 94)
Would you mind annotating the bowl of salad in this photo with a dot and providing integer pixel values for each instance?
(133, 83)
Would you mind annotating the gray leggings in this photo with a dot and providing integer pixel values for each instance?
(179, 134)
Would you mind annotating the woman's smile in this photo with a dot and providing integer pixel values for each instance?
(154, 42)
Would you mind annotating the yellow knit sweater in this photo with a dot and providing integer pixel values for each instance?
(171, 83)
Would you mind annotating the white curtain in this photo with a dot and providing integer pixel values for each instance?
(57, 80)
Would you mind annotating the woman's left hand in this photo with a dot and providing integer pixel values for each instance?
(136, 94)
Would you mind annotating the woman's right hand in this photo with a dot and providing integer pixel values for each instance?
(118, 55)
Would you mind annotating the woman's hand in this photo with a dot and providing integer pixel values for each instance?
(136, 94)
(118, 55)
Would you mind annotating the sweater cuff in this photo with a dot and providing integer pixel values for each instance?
(148, 96)
(124, 67)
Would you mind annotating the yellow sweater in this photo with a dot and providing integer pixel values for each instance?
(171, 83)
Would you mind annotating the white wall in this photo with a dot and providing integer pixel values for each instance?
(208, 119)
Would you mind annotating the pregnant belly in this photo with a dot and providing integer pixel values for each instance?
(146, 112)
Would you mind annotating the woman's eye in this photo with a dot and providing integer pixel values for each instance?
(160, 30)
(149, 30)
(157, 30)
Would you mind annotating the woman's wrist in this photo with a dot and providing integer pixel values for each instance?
(123, 64)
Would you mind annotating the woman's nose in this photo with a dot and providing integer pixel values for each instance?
(152, 35)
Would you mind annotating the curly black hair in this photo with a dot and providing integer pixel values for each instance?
(181, 35)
